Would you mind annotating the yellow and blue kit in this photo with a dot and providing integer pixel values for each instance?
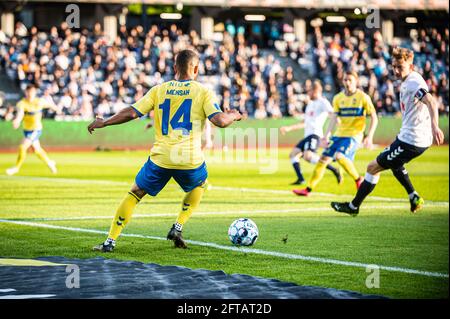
(32, 118)
(180, 111)
(351, 112)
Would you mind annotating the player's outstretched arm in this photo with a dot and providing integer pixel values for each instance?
(368, 140)
(50, 105)
(125, 115)
(18, 119)
(330, 128)
(289, 128)
(430, 102)
(224, 119)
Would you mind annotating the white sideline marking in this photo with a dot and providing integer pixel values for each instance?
(242, 249)
(7, 290)
(25, 296)
(212, 187)
(229, 212)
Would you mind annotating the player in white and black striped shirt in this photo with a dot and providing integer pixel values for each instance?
(420, 125)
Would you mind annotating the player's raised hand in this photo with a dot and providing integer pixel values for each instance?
(97, 123)
(438, 135)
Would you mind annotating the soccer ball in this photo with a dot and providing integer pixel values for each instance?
(243, 232)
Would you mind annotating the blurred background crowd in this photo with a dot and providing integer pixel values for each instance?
(85, 76)
(330, 55)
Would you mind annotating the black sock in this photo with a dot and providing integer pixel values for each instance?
(298, 171)
(401, 174)
(365, 189)
(333, 169)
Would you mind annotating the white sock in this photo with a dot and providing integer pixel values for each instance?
(178, 226)
(411, 196)
(314, 158)
(372, 179)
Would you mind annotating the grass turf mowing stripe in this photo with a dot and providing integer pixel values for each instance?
(277, 191)
(211, 187)
(229, 212)
(63, 180)
(242, 249)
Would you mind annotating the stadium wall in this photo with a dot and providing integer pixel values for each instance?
(74, 135)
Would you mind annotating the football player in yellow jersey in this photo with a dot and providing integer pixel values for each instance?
(30, 111)
(350, 109)
(181, 107)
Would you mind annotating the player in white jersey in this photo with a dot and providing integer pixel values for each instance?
(419, 127)
(316, 113)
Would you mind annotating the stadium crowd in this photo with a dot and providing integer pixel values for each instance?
(85, 75)
(330, 55)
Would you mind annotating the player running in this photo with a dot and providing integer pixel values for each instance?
(30, 111)
(419, 126)
(316, 113)
(181, 107)
(350, 109)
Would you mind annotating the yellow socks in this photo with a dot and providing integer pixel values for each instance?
(123, 215)
(190, 203)
(320, 168)
(126, 208)
(317, 175)
(21, 156)
(39, 153)
(349, 167)
(42, 155)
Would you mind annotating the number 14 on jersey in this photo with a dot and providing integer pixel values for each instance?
(181, 120)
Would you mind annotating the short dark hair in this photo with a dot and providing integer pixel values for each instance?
(352, 73)
(184, 59)
(30, 86)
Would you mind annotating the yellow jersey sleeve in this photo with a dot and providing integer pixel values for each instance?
(21, 105)
(336, 104)
(210, 104)
(367, 104)
(146, 103)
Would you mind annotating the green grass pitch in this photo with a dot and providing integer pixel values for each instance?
(89, 186)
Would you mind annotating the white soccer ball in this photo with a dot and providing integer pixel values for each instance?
(243, 232)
